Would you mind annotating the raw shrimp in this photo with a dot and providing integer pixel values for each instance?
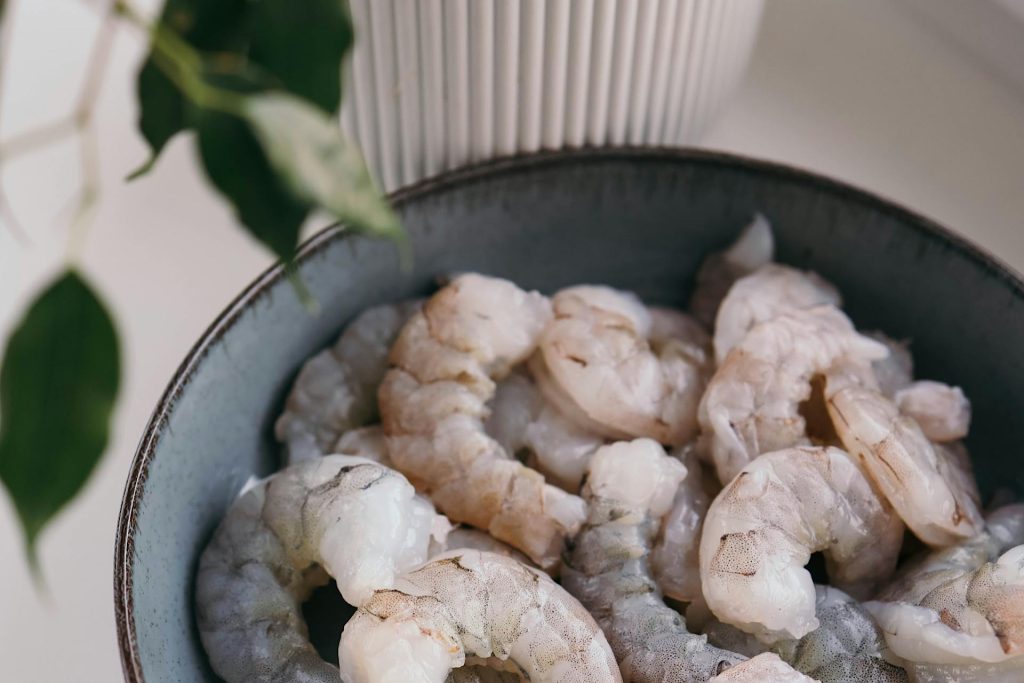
(896, 371)
(761, 530)
(341, 516)
(942, 411)
(962, 605)
(522, 421)
(365, 442)
(846, 648)
(763, 295)
(468, 538)
(630, 485)
(600, 361)
(752, 404)
(336, 390)
(755, 247)
(764, 668)
(930, 489)
(674, 558)
(433, 404)
(470, 604)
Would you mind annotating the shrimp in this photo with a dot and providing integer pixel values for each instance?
(470, 604)
(365, 442)
(755, 247)
(896, 371)
(674, 558)
(600, 362)
(932, 491)
(336, 389)
(752, 404)
(942, 411)
(467, 538)
(522, 420)
(339, 516)
(962, 606)
(764, 295)
(846, 648)
(630, 485)
(433, 404)
(764, 668)
(761, 530)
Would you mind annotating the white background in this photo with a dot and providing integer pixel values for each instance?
(857, 89)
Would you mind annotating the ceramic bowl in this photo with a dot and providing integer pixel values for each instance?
(636, 219)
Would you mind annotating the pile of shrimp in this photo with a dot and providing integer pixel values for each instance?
(508, 486)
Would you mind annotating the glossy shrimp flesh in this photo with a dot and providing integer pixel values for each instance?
(338, 516)
(522, 420)
(941, 411)
(962, 606)
(629, 486)
(764, 295)
(931, 489)
(603, 367)
(847, 646)
(469, 604)
(674, 559)
(755, 247)
(764, 668)
(753, 402)
(762, 529)
(336, 390)
(433, 406)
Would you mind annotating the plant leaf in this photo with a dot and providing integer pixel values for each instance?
(302, 44)
(213, 26)
(237, 166)
(58, 383)
(318, 163)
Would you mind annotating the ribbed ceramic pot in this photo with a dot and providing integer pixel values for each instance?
(436, 84)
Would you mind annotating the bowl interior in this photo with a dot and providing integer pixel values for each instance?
(632, 219)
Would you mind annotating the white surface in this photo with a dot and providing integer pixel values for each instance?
(854, 89)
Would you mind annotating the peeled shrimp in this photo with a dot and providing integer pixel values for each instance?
(846, 648)
(929, 487)
(630, 485)
(338, 516)
(603, 368)
(752, 404)
(336, 390)
(468, 538)
(896, 371)
(761, 530)
(469, 604)
(433, 404)
(942, 411)
(764, 668)
(963, 605)
(755, 247)
(521, 419)
(674, 558)
(365, 442)
(764, 295)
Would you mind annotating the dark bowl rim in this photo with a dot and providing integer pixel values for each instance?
(135, 485)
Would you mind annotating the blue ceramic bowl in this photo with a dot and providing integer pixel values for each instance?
(636, 219)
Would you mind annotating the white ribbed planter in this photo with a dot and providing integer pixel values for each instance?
(435, 84)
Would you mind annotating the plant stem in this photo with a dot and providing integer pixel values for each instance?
(183, 65)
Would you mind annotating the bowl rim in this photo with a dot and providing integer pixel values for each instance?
(137, 474)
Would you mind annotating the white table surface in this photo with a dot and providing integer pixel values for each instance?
(858, 90)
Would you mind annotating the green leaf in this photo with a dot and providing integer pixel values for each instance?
(213, 26)
(318, 163)
(58, 383)
(302, 44)
(236, 165)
